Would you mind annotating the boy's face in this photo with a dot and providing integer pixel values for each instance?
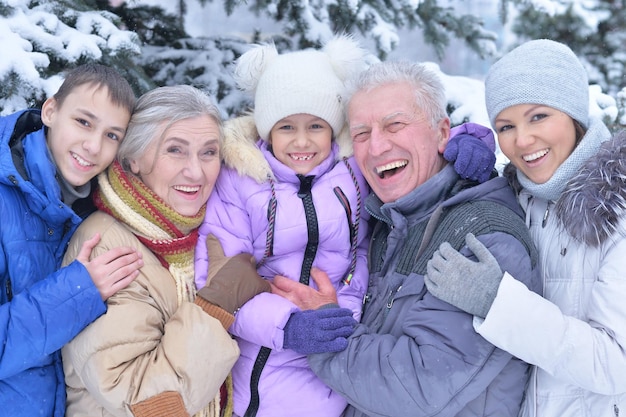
(301, 141)
(84, 132)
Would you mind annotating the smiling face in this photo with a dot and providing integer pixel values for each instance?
(183, 167)
(301, 141)
(536, 139)
(395, 145)
(84, 132)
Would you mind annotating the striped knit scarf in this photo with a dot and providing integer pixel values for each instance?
(168, 234)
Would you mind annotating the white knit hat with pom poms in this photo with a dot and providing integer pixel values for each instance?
(309, 81)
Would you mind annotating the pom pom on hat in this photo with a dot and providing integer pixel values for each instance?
(308, 81)
(541, 72)
(250, 66)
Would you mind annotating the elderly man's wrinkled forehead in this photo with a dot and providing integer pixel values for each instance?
(428, 90)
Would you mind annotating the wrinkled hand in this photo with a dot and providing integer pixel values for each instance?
(472, 149)
(304, 296)
(113, 270)
(468, 285)
(232, 281)
(319, 331)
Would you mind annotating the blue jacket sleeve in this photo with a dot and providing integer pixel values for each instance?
(40, 320)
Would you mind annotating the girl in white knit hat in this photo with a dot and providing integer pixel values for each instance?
(571, 177)
(291, 194)
(294, 200)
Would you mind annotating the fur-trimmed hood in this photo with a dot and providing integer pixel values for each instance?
(594, 201)
(240, 152)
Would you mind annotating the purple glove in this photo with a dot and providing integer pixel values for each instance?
(319, 331)
(472, 149)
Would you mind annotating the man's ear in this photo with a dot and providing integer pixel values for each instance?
(443, 134)
(48, 110)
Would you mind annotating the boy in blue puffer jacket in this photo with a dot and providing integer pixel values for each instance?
(47, 161)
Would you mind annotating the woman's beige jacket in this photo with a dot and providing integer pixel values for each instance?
(147, 352)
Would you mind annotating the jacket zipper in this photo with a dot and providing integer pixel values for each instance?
(343, 200)
(545, 216)
(366, 298)
(9, 290)
(390, 300)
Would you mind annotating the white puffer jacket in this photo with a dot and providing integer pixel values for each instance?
(576, 335)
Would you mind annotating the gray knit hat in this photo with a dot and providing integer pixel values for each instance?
(539, 72)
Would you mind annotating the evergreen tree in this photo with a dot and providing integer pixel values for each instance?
(596, 32)
(311, 22)
(40, 40)
(170, 56)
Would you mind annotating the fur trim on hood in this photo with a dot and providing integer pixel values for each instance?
(239, 150)
(594, 201)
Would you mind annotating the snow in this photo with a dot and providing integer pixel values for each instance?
(582, 8)
(318, 31)
(95, 34)
(21, 68)
(18, 58)
(467, 97)
(622, 97)
(386, 34)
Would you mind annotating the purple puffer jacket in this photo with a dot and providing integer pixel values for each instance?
(237, 214)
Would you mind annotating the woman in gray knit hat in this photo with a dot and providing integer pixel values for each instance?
(570, 176)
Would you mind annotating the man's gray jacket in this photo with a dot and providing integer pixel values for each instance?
(413, 354)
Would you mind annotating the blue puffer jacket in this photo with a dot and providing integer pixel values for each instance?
(41, 307)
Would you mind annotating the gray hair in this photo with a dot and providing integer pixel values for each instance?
(164, 104)
(428, 89)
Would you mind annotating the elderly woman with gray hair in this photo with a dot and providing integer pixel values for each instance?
(160, 350)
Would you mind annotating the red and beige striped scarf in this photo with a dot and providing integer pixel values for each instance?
(168, 234)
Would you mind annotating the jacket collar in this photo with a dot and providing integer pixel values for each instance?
(417, 204)
(283, 173)
(594, 201)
